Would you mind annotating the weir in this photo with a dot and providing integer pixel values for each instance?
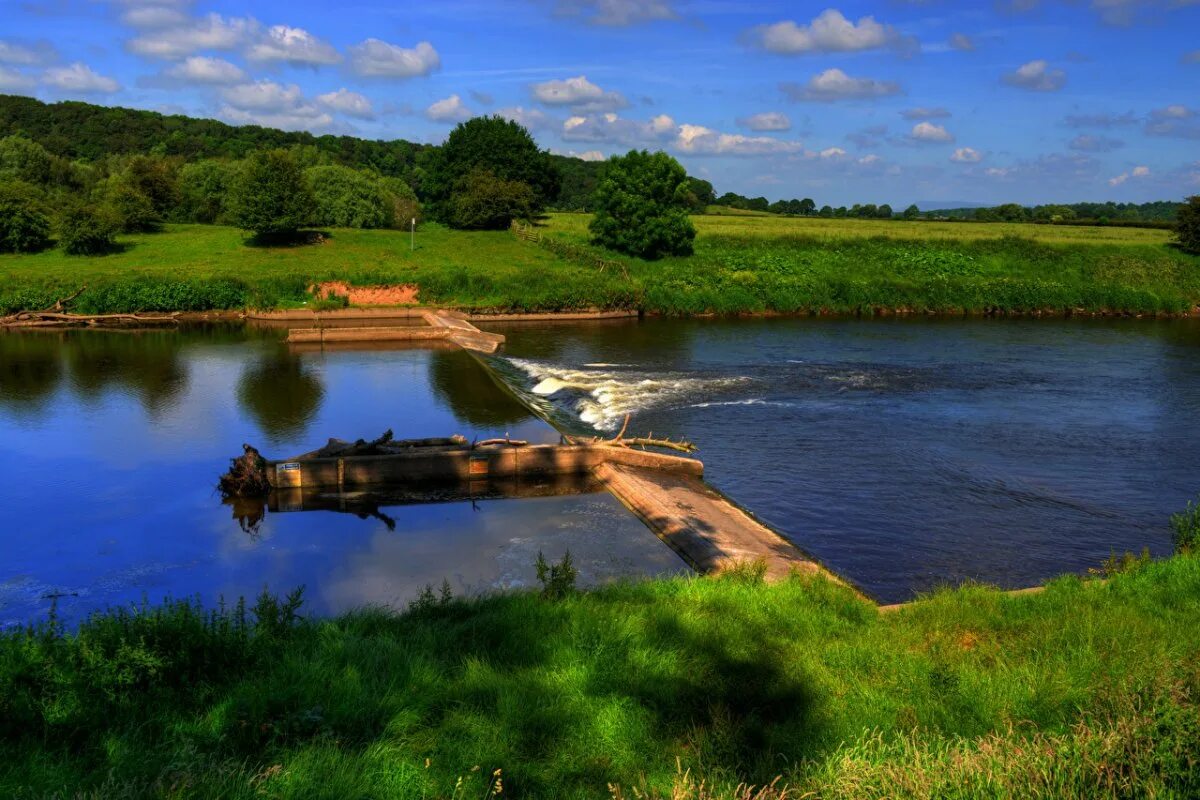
(706, 529)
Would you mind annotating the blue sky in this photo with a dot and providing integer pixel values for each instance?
(893, 101)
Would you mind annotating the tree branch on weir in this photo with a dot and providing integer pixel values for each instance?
(620, 440)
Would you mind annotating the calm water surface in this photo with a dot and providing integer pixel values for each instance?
(907, 453)
(111, 443)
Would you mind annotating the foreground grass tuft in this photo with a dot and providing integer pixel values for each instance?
(687, 688)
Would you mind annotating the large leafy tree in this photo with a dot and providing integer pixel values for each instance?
(270, 196)
(24, 226)
(1187, 225)
(481, 201)
(490, 144)
(347, 198)
(641, 206)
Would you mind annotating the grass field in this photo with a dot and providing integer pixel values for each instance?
(1086, 690)
(742, 264)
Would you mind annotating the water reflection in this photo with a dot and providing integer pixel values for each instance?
(281, 394)
(30, 369)
(144, 363)
(461, 385)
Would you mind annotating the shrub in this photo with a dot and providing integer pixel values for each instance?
(129, 207)
(24, 228)
(157, 179)
(347, 198)
(558, 580)
(1186, 529)
(403, 204)
(482, 201)
(203, 188)
(85, 230)
(270, 195)
(642, 206)
(1187, 225)
(24, 160)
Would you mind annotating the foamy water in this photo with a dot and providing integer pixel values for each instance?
(602, 394)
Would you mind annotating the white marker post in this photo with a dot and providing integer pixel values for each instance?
(412, 244)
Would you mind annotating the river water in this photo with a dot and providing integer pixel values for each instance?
(902, 453)
(907, 453)
(111, 444)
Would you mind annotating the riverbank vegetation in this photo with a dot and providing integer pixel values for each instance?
(1089, 689)
(741, 264)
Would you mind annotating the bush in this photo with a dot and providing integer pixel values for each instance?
(404, 206)
(24, 160)
(347, 198)
(85, 230)
(642, 206)
(129, 207)
(1186, 529)
(203, 187)
(270, 195)
(482, 201)
(558, 580)
(1187, 225)
(24, 228)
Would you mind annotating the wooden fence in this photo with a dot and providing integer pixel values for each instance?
(571, 252)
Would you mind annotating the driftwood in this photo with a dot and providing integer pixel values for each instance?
(247, 476)
(384, 445)
(505, 441)
(57, 316)
(620, 440)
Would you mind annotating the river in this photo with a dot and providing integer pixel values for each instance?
(903, 453)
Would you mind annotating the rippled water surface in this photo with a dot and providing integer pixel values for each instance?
(111, 444)
(906, 453)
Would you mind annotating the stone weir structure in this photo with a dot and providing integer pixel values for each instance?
(708, 531)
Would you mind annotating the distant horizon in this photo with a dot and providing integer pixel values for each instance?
(1042, 101)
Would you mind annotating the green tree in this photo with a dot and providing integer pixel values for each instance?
(25, 160)
(1187, 225)
(826, 211)
(884, 212)
(24, 226)
(807, 207)
(641, 206)
(403, 204)
(133, 210)
(87, 230)
(204, 187)
(270, 195)
(702, 193)
(157, 179)
(496, 145)
(482, 201)
(912, 212)
(347, 198)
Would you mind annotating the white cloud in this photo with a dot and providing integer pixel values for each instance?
(294, 46)
(1177, 121)
(344, 101)
(80, 78)
(1136, 172)
(23, 55)
(202, 69)
(375, 58)
(960, 41)
(586, 155)
(967, 155)
(617, 13)
(832, 153)
(272, 105)
(830, 32)
(1036, 76)
(449, 109)
(154, 15)
(531, 118)
(212, 32)
(614, 129)
(766, 121)
(699, 140)
(928, 132)
(13, 81)
(580, 94)
(1089, 143)
(925, 113)
(833, 84)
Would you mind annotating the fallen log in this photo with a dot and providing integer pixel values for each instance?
(682, 446)
(49, 319)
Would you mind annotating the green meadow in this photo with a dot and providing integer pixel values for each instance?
(742, 264)
(682, 688)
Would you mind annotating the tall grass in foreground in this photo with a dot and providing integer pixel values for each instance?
(685, 688)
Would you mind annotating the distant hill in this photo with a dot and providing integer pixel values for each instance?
(82, 131)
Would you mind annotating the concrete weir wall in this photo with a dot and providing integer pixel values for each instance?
(438, 325)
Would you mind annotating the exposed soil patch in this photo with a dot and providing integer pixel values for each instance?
(400, 295)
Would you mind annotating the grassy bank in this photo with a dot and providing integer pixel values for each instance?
(742, 264)
(1086, 690)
